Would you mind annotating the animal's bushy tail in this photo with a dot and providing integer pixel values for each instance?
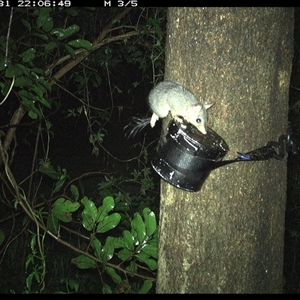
(134, 126)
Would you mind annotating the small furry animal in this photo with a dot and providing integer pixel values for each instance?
(169, 96)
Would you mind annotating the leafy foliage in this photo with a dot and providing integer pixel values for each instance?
(114, 229)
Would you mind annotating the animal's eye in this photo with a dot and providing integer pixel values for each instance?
(198, 120)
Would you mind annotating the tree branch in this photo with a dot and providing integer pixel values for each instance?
(95, 47)
(22, 201)
(95, 44)
(21, 111)
(16, 118)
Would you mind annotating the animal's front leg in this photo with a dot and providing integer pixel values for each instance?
(153, 120)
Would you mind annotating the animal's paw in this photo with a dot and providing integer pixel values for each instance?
(153, 120)
(178, 119)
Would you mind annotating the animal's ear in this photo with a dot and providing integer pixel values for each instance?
(208, 105)
(197, 107)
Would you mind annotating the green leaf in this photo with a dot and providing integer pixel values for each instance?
(80, 43)
(45, 83)
(3, 65)
(107, 205)
(33, 115)
(48, 25)
(154, 240)
(37, 71)
(37, 275)
(121, 207)
(71, 51)
(52, 223)
(50, 46)
(39, 93)
(84, 262)
(109, 223)
(13, 70)
(72, 284)
(96, 245)
(2, 236)
(132, 267)
(128, 239)
(28, 55)
(72, 12)
(74, 191)
(150, 221)
(23, 81)
(48, 125)
(106, 289)
(62, 34)
(108, 249)
(23, 69)
(42, 15)
(124, 254)
(29, 281)
(29, 260)
(43, 100)
(138, 225)
(24, 95)
(41, 36)
(118, 242)
(26, 24)
(144, 258)
(146, 287)
(150, 250)
(59, 184)
(29, 105)
(103, 193)
(29, 99)
(46, 168)
(63, 208)
(33, 243)
(88, 214)
(113, 274)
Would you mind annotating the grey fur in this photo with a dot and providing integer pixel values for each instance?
(169, 96)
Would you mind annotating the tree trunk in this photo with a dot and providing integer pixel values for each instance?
(229, 236)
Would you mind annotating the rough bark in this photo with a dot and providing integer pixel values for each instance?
(228, 237)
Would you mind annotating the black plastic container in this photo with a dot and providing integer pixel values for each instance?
(185, 157)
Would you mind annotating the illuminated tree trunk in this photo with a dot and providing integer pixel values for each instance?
(228, 237)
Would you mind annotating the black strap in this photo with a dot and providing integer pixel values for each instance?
(272, 149)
